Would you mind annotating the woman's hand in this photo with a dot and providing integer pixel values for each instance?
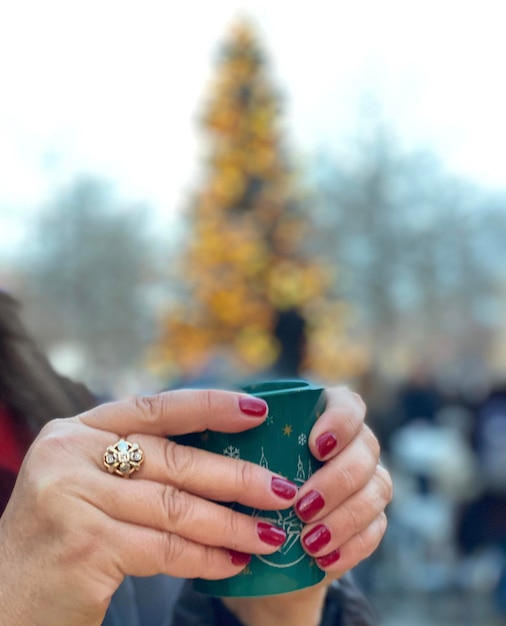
(343, 506)
(72, 531)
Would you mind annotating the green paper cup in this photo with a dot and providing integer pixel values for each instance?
(281, 445)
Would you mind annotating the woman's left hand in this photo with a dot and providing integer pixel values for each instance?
(342, 505)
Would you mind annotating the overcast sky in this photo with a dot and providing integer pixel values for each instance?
(113, 87)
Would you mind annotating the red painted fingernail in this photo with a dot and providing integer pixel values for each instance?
(309, 505)
(254, 407)
(328, 559)
(317, 538)
(284, 488)
(325, 443)
(271, 534)
(239, 558)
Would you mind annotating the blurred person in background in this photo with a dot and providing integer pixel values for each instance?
(482, 524)
(31, 393)
(415, 413)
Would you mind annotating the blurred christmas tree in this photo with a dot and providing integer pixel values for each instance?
(251, 285)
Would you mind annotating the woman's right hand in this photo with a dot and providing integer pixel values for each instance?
(72, 531)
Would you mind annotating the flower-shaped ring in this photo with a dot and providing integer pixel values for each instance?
(123, 458)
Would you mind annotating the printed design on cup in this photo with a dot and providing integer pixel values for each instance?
(292, 526)
(287, 520)
(232, 452)
(301, 475)
(287, 430)
(245, 572)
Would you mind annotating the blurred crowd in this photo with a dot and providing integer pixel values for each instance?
(446, 451)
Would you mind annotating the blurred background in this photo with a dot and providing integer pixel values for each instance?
(203, 194)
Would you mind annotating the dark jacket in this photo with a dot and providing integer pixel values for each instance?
(166, 601)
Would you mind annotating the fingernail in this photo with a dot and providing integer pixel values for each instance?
(325, 443)
(271, 534)
(317, 538)
(328, 559)
(284, 488)
(254, 407)
(239, 558)
(309, 505)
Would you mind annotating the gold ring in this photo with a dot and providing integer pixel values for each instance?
(123, 458)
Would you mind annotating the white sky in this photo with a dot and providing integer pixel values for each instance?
(113, 86)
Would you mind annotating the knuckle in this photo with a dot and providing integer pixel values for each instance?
(233, 527)
(50, 428)
(359, 402)
(209, 401)
(53, 442)
(356, 516)
(149, 407)
(208, 563)
(348, 417)
(371, 441)
(386, 483)
(179, 461)
(59, 444)
(177, 506)
(368, 540)
(382, 521)
(347, 481)
(353, 401)
(173, 554)
(172, 551)
(378, 530)
(364, 543)
(244, 476)
(363, 547)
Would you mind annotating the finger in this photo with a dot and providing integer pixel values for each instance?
(358, 548)
(179, 412)
(168, 509)
(338, 425)
(339, 477)
(209, 475)
(203, 473)
(143, 551)
(354, 516)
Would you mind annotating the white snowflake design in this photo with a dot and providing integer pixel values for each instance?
(302, 439)
(232, 452)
